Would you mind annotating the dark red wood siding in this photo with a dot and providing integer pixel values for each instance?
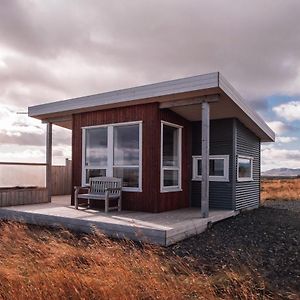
(150, 199)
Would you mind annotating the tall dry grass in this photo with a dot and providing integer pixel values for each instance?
(40, 264)
(280, 189)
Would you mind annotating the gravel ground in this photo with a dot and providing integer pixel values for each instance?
(290, 205)
(266, 239)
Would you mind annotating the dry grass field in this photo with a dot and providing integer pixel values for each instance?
(240, 258)
(40, 264)
(280, 189)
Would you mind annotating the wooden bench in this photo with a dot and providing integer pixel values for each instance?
(104, 189)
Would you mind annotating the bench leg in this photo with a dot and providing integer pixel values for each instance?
(76, 198)
(106, 202)
(120, 203)
(106, 206)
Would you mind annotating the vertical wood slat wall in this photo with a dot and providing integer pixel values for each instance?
(62, 179)
(11, 197)
(150, 199)
(61, 185)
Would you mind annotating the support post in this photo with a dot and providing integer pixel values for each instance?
(49, 159)
(205, 161)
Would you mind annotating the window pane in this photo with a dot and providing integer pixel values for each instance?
(96, 147)
(170, 177)
(94, 173)
(126, 145)
(216, 167)
(170, 146)
(244, 167)
(199, 169)
(130, 176)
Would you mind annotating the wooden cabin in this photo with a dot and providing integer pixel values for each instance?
(191, 142)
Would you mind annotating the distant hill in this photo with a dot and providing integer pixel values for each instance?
(286, 172)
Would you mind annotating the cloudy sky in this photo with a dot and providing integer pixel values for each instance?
(52, 50)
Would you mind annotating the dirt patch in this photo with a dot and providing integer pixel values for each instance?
(266, 240)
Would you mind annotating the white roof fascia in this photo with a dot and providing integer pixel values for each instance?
(189, 84)
(119, 97)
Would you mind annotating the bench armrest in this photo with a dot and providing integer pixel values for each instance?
(78, 188)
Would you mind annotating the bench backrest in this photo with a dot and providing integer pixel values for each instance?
(99, 184)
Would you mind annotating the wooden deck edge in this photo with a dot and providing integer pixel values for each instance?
(163, 237)
(112, 230)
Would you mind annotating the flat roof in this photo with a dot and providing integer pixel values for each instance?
(231, 104)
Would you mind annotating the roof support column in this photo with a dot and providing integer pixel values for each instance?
(49, 159)
(205, 160)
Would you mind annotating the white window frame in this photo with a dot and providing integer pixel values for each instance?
(241, 179)
(110, 148)
(224, 178)
(177, 188)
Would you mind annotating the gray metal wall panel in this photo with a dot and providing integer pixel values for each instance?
(248, 193)
(221, 143)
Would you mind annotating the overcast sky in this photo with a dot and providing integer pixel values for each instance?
(52, 50)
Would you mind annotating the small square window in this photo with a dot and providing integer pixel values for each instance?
(245, 168)
(218, 168)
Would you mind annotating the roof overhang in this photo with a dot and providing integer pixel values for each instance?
(186, 94)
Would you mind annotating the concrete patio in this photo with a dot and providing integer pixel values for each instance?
(163, 228)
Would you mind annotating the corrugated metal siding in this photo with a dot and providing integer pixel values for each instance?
(221, 143)
(248, 193)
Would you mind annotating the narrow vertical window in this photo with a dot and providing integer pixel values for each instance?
(170, 157)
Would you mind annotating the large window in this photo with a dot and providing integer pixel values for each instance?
(170, 157)
(245, 168)
(127, 154)
(95, 153)
(218, 168)
(114, 150)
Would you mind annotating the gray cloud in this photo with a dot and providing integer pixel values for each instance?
(79, 47)
(51, 50)
(60, 138)
(25, 138)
